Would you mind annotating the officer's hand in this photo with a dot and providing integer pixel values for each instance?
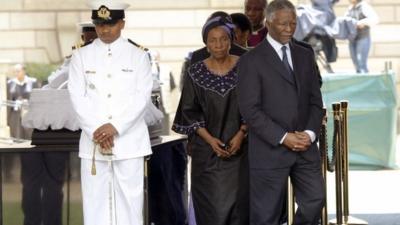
(107, 144)
(104, 132)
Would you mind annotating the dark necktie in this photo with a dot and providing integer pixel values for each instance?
(285, 61)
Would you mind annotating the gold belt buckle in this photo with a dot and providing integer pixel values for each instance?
(106, 152)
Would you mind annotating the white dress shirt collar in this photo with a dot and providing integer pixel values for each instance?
(18, 82)
(114, 45)
(26, 79)
(278, 49)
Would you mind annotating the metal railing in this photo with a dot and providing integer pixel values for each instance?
(340, 112)
(339, 164)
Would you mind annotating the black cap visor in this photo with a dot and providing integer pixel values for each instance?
(104, 22)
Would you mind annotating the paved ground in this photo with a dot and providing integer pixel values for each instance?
(374, 194)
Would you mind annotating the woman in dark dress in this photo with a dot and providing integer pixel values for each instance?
(208, 113)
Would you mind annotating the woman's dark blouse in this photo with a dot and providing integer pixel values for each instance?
(209, 101)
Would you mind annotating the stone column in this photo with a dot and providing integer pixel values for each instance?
(4, 129)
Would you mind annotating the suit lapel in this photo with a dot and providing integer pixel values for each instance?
(296, 60)
(275, 62)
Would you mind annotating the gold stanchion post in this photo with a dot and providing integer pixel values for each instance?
(338, 143)
(346, 212)
(343, 107)
(290, 202)
(342, 167)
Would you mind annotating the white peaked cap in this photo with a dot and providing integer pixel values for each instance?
(81, 25)
(85, 24)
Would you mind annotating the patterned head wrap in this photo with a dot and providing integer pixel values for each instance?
(224, 22)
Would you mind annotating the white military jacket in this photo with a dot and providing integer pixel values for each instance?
(111, 83)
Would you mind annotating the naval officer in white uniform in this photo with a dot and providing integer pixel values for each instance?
(110, 84)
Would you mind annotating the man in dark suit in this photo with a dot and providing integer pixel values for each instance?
(280, 99)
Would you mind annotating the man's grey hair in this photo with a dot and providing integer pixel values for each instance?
(19, 66)
(277, 5)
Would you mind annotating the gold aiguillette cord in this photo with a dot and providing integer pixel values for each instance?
(94, 159)
(103, 152)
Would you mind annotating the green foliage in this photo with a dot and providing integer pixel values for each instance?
(40, 70)
(13, 215)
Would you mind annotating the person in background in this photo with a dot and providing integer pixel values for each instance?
(110, 85)
(43, 173)
(60, 76)
(184, 68)
(360, 45)
(163, 74)
(242, 29)
(88, 34)
(19, 89)
(167, 165)
(208, 113)
(255, 11)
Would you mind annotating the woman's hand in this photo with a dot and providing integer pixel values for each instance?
(236, 142)
(218, 147)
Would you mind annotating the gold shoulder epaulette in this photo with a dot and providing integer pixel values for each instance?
(87, 43)
(81, 44)
(137, 45)
(76, 46)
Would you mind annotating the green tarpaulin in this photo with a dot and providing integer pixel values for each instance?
(372, 115)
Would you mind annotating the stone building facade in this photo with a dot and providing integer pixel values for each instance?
(43, 31)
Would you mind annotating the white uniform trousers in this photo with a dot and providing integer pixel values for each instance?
(114, 196)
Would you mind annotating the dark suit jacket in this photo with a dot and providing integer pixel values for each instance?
(273, 103)
(308, 46)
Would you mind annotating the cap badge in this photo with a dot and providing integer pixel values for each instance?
(104, 13)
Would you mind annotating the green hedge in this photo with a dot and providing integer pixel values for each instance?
(40, 70)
